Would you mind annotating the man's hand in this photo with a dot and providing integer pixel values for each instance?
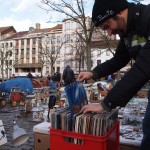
(92, 107)
(85, 76)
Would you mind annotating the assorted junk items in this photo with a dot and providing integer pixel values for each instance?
(19, 135)
(28, 106)
(51, 103)
(3, 138)
(24, 84)
(16, 96)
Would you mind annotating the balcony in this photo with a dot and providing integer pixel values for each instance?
(28, 65)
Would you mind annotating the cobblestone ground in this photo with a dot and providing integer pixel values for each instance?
(23, 121)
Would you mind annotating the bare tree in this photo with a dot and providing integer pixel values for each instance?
(5, 60)
(75, 11)
(48, 54)
(107, 42)
(79, 57)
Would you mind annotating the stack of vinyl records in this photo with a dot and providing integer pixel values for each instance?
(90, 123)
(76, 96)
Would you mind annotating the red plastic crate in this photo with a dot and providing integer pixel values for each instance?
(110, 141)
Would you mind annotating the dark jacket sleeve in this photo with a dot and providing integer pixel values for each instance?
(133, 80)
(120, 59)
(64, 74)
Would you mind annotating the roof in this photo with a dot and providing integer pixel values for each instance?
(57, 27)
(4, 29)
(17, 35)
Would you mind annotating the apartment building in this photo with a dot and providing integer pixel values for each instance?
(73, 43)
(6, 50)
(59, 43)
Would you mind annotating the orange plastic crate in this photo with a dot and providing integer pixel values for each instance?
(110, 141)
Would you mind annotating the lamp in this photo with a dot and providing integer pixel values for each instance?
(19, 135)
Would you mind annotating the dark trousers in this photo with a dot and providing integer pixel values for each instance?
(145, 145)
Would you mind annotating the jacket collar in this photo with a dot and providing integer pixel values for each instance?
(133, 17)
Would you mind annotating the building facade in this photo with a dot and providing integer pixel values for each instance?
(45, 51)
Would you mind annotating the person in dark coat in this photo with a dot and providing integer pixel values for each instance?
(68, 75)
(132, 23)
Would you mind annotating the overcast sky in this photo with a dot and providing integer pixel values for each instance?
(22, 14)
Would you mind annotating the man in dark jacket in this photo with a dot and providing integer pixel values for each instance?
(68, 75)
(132, 23)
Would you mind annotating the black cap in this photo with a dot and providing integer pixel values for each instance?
(105, 9)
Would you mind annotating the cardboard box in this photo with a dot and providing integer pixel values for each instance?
(41, 141)
(42, 136)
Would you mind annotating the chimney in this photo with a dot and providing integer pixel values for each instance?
(38, 26)
(31, 28)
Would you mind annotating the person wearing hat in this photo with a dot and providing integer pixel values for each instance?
(132, 23)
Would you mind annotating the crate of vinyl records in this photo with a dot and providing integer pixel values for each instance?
(73, 130)
(84, 131)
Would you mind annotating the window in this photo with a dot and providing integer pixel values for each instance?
(67, 26)
(79, 26)
(57, 48)
(53, 40)
(22, 42)
(69, 63)
(27, 51)
(48, 40)
(22, 51)
(10, 62)
(16, 70)
(10, 71)
(33, 59)
(16, 51)
(33, 41)
(52, 49)
(58, 62)
(6, 45)
(67, 37)
(47, 61)
(77, 64)
(39, 69)
(47, 69)
(10, 53)
(11, 44)
(33, 50)
(27, 60)
(22, 61)
(68, 50)
(71, 25)
(28, 41)
(58, 39)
